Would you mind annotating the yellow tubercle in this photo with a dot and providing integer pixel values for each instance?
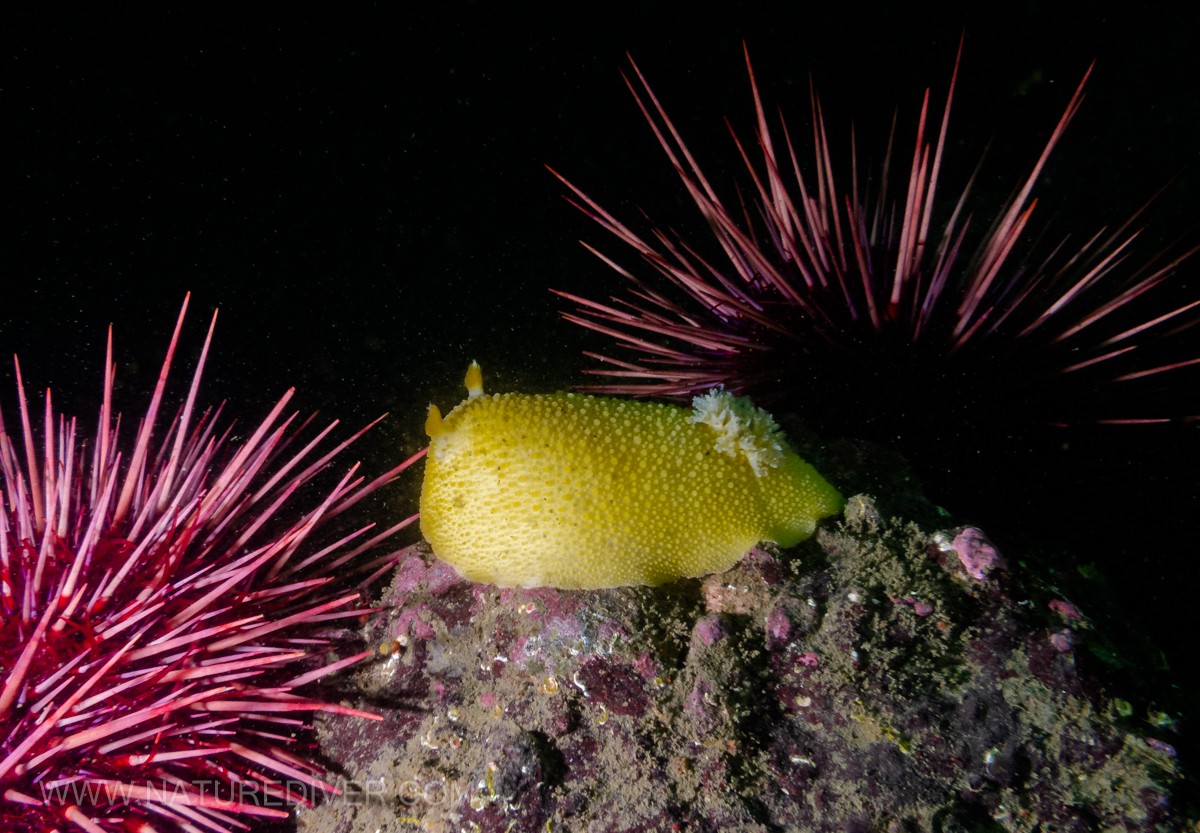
(586, 492)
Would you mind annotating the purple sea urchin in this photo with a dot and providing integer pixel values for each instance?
(162, 609)
(887, 313)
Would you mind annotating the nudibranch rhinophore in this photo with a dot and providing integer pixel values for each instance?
(578, 491)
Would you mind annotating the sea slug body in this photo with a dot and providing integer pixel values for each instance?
(578, 491)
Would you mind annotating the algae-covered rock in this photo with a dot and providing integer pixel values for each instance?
(884, 676)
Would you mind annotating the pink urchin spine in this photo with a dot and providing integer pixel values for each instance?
(843, 268)
(146, 598)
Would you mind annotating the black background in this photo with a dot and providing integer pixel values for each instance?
(362, 193)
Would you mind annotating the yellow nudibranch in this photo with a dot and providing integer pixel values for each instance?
(579, 491)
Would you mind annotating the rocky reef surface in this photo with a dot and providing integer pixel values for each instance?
(887, 675)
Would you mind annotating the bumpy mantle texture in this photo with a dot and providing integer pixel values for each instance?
(586, 492)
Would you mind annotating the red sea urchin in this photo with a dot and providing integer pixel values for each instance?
(161, 610)
(886, 315)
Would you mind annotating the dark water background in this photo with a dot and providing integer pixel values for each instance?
(362, 194)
